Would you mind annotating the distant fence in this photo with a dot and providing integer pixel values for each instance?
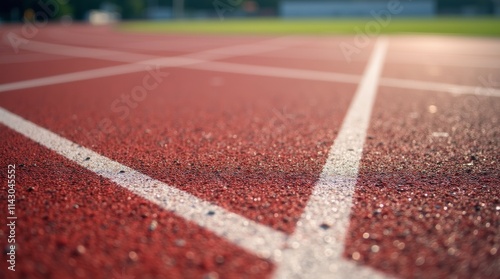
(358, 9)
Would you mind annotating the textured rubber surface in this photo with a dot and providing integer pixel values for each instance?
(428, 196)
(254, 142)
(78, 225)
(204, 141)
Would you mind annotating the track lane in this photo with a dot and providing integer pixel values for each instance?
(85, 128)
(74, 224)
(204, 141)
(426, 203)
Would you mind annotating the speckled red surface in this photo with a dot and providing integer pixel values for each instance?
(253, 145)
(426, 204)
(74, 224)
(40, 69)
(429, 206)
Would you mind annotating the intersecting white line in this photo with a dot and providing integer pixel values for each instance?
(98, 73)
(202, 61)
(130, 57)
(85, 52)
(466, 61)
(258, 239)
(313, 252)
(316, 247)
(458, 60)
(440, 87)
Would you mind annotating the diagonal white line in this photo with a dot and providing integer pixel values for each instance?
(440, 87)
(202, 61)
(280, 72)
(99, 73)
(318, 242)
(204, 65)
(457, 60)
(256, 238)
(466, 61)
(130, 57)
(268, 71)
(85, 52)
(137, 60)
(315, 249)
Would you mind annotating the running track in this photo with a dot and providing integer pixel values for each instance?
(176, 156)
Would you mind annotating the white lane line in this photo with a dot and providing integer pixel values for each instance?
(184, 62)
(258, 239)
(407, 58)
(310, 54)
(458, 60)
(98, 73)
(233, 51)
(439, 87)
(130, 57)
(85, 52)
(191, 61)
(268, 71)
(316, 247)
(205, 65)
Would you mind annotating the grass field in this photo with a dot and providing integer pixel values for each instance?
(462, 26)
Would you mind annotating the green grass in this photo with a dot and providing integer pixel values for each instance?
(440, 25)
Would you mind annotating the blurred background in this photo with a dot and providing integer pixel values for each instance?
(101, 11)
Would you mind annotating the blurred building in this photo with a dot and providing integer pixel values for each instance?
(159, 13)
(345, 8)
(468, 7)
(14, 10)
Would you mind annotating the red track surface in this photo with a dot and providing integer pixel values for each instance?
(205, 141)
(65, 208)
(426, 204)
(430, 217)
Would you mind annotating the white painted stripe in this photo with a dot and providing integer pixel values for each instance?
(275, 72)
(84, 52)
(261, 49)
(185, 62)
(256, 238)
(204, 65)
(191, 61)
(340, 78)
(439, 87)
(233, 51)
(466, 61)
(98, 73)
(130, 57)
(316, 252)
(71, 77)
(311, 54)
(395, 58)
